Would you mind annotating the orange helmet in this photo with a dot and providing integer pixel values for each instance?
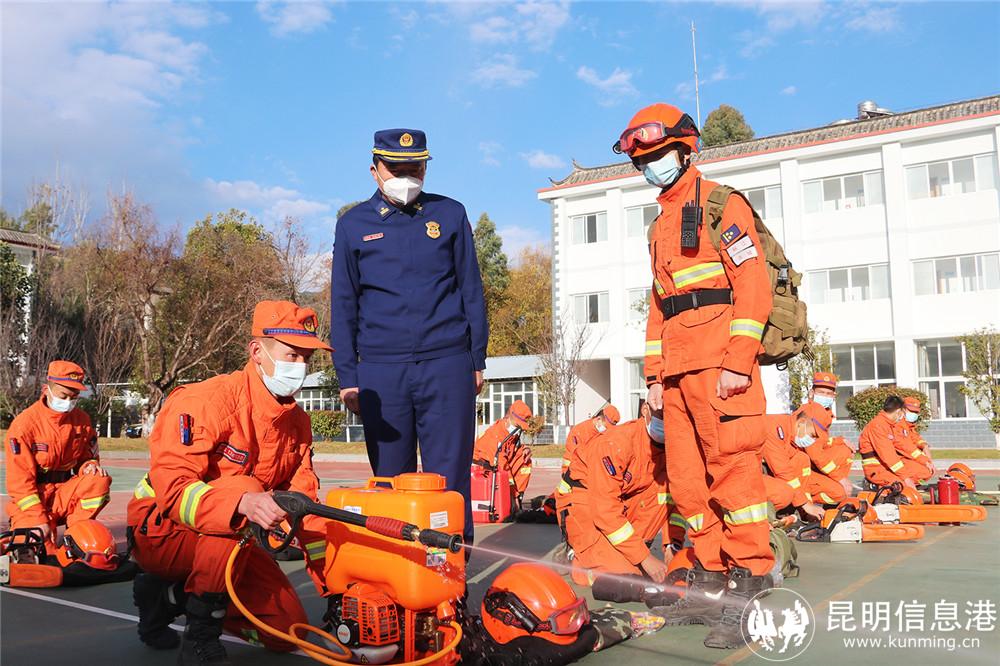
(90, 542)
(964, 475)
(654, 127)
(530, 599)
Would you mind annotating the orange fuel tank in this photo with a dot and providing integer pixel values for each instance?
(415, 576)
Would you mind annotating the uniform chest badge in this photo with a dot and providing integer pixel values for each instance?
(232, 454)
(781, 433)
(433, 229)
(371, 237)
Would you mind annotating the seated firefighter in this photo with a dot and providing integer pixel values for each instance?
(788, 469)
(880, 459)
(500, 446)
(530, 616)
(616, 507)
(54, 473)
(217, 450)
(910, 444)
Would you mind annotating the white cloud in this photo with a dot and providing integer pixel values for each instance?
(718, 74)
(516, 238)
(539, 159)
(789, 90)
(297, 208)
(533, 24)
(272, 203)
(540, 22)
(781, 15)
(614, 88)
(166, 50)
(684, 90)
(875, 19)
(754, 44)
(290, 17)
(502, 71)
(247, 192)
(493, 30)
(490, 151)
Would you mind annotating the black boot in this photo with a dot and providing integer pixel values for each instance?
(702, 601)
(206, 614)
(159, 603)
(727, 633)
(625, 589)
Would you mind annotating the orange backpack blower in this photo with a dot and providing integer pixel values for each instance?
(22, 560)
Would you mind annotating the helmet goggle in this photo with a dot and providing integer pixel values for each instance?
(654, 132)
(506, 607)
(104, 560)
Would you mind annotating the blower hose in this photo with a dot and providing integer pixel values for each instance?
(316, 652)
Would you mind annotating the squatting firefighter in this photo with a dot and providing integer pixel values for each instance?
(788, 467)
(617, 506)
(530, 616)
(580, 435)
(219, 447)
(706, 320)
(513, 456)
(831, 456)
(881, 461)
(910, 443)
(54, 473)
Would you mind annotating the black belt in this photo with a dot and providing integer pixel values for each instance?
(674, 305)
(869, 455)
(571, 481)
(54, 476)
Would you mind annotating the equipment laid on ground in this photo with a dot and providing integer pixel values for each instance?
(851, 523)
(396, 598)
(22, 560)
(494, 496)
(964, 475)
(85, 555)
(911, 507)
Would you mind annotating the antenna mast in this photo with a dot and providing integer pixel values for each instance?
(694, 54)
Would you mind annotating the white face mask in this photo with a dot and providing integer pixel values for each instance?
(599, 426)
(61, 405)
(403, 190)
(287, 379)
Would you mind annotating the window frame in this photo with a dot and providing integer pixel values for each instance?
(597, 215)
(842, 197)
(765, 192)
(645, 225)
(941, 381)
(499, 394)
(607, 309)
(948, 190)
(632, 314)
(849, 387)
(810, 276)
(978, 279)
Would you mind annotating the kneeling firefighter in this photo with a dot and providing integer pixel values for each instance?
(218, 448)
(531, 616)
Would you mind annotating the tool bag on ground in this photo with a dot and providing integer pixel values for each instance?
(785, 335)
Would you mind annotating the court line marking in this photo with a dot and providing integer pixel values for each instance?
(849, 589)
(116, 614)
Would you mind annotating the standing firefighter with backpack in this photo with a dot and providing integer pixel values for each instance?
(710, 307)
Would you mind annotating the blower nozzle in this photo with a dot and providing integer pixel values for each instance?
(435, 539)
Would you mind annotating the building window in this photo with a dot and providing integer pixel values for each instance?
(500, 395)
(940, 364)
(951, 177)
(860, 367)
(638, 304)
(591, 228)
(951, 275)
(843, 285)
(591, 308)
(638, 219)
(842, 192)
(766, 201)
(636, 388)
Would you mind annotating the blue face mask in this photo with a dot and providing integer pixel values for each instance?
(804, 441)
(911, 417)
(824, 401)
(664, 171)
(655, 429)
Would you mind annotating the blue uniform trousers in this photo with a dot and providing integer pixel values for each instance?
(433, 401)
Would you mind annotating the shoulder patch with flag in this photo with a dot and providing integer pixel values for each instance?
(608, 465)
(730, 234)
(15, 446)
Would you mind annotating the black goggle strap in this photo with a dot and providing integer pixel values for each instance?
(510, 610)
(684, 127)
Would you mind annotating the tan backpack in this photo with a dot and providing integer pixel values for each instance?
(785, 335)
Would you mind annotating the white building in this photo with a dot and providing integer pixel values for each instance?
(894, 219)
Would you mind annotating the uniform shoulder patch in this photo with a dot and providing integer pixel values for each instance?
(186, 424)
(609, 466)
(232, 454)
(730, 234)
(742, 250)
(15, 446)
(627, 476)
(781, 433)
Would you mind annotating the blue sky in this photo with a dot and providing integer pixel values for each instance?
(271, 106)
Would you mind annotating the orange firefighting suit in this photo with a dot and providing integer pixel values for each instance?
(213, 442)
(713, 444)
(46, 451)
(882, 463)
(792, 465)
(619, 499)
(513, 457)
(912, 447)
(579, 435)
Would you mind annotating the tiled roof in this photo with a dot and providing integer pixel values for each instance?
(840, 131)
(24, 239)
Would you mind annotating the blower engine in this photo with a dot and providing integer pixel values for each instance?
(393, 600)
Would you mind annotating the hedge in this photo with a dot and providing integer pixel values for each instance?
(327, 424)
(866, 405)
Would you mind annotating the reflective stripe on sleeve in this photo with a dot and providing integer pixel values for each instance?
(898, 466)
(564, 488)
(660, 291)
(696, 521)
(190, 499)
(748, 327)
(795, 483)
(654, 347)
(806, 471)
(829, 467)
(621, 534)
(143, 489)
(677, 520)
(661, 498)
(754, 513)
(826, 499)
(916, 454)
(26, 503)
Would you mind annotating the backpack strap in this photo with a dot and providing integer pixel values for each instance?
(714, 209)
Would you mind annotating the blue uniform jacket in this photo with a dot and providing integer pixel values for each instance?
(405, 285)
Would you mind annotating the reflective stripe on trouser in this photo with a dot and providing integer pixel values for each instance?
(701, 447)
(29, 501)
(144, 489)
(64, 502)
(94, 503)
(829, 467)
(825, 489)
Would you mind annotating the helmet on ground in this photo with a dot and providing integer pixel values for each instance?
(964, 475)
(90, 542)
(530, 599)
(654, 127)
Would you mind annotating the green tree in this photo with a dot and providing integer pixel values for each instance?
(725, 125)
(866, 405)
(492, 265)
(982, 374)
(801, 368)
(523, 322)
(15, 291)
(329, 425)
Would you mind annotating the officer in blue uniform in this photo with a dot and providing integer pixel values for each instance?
(408, 319)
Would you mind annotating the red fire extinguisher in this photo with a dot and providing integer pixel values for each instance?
(945, 492)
